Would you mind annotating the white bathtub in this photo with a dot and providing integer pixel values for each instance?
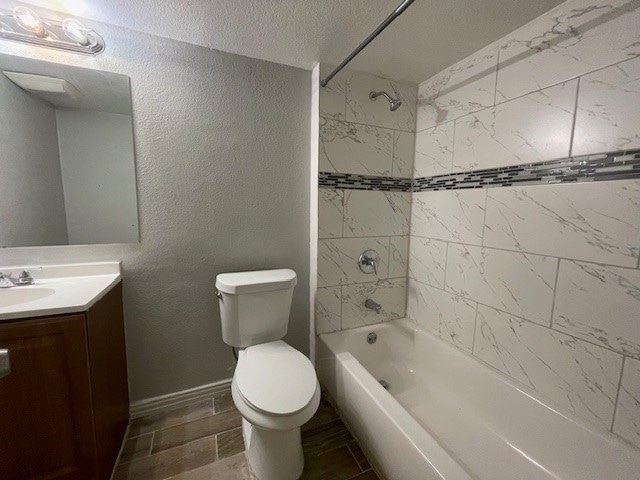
(446, 416)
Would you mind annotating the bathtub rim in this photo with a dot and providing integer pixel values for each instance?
(406, 324)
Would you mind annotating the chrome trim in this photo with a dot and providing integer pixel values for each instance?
(54, 35)
(396, 13)
(5, 362)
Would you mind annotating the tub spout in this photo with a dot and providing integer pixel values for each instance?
(373, 305)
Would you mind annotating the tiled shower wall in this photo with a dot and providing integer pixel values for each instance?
(541, 282)
(361, 136)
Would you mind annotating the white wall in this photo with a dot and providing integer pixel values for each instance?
(98, 175)
(541, 282)
(31, 199)
(222, 158)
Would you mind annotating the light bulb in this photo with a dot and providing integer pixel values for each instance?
(76, 31)
(29, 20)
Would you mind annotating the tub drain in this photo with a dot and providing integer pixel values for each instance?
(384, 384)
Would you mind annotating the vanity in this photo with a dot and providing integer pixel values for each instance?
(64, 401)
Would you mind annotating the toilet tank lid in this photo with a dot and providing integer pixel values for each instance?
(256, 281)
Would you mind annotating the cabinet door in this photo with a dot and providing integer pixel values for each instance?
(46, 429)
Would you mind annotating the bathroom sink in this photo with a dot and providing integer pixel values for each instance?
(18, 295)
(57, 289)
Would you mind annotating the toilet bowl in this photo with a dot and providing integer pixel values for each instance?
(274, 386)
(276, 391)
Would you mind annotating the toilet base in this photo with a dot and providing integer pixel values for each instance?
(273, 454)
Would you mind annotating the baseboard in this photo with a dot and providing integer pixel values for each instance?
(150, 405)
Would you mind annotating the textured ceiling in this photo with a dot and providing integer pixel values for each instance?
(429, 36)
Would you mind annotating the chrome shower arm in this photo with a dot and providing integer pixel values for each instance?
(374, 95)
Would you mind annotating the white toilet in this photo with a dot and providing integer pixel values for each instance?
(274, 387)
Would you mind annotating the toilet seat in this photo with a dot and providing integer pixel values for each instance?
(275, 379)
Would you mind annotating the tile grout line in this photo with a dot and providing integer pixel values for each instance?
(446, 263)
(520, 317)
(343, 208)
(392, 129)
(495, 90)
(555, 290)
(475, 328)
(567, 80)
(453, 147)
(490, 247)
(341, 301)
(484, 216)
(393, 152)
(345, 97)
(575, 115)
(615, 405)
(353, 455)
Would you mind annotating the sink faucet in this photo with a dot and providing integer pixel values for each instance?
(7, 281)
(373, 305)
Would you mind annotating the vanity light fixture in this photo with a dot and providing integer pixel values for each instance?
(22, 24)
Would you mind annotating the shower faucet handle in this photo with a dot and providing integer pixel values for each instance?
(369, 262)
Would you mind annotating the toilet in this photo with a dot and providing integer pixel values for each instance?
(274, 387)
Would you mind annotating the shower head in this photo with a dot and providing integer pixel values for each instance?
(394, 103)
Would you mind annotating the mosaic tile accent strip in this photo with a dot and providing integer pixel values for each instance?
(620, 165)
(352, 181)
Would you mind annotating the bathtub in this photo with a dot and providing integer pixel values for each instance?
(446, 416)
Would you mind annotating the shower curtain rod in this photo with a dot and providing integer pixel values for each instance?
(396, 13)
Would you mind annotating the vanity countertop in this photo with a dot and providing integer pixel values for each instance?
(57, 289)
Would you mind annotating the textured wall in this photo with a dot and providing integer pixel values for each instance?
(222, 161)
(32, 202)
(361, 136)
(540, 282)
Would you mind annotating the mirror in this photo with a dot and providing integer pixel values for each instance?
(67, 169)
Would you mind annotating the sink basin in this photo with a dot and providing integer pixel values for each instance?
(18, 295)
(58, 289)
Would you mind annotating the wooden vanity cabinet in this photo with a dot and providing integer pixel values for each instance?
(64, 407)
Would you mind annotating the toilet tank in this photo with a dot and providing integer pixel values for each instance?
(255, 306)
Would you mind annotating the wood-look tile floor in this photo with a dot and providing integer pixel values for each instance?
(203, 441)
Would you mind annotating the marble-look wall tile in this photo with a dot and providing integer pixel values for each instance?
(333, 97)
(466, 87)
(608, 111)
(338, 260)
(528, 129)
(328, 310)
(390, 294)
(518, 283)
(600, 304)
(403, 150)
(361, 109)
(375, 213)
(597, 222)
(398, 256)
(449, 316)
(577, 37)
(456, 215)
(577, 375)
(427, 261)
(330, 213)
(434, 151)
(627, 421)
(351, 148)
